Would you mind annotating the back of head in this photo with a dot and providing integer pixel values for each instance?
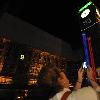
(48, 78)
(49, 75)
(85, 93)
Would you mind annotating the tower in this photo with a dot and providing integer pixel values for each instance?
(89, 22)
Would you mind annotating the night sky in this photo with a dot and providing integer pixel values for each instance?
(58, 18)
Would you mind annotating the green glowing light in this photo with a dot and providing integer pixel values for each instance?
(88, 4)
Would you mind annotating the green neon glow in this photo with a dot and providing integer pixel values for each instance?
(89, 3)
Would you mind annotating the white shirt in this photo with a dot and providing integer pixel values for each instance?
(86, 93)
(58, 96)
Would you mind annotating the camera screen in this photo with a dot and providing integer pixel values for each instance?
(84, 65)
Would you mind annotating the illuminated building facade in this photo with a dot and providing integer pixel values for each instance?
(23, 63)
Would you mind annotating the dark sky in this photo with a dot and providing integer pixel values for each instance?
(59, 18)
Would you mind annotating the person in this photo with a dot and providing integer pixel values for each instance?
(89, 92)
(85, 93)
(56, 80)
(56, 85)
(93, 82)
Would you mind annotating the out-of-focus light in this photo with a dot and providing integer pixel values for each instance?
(18, 97)
(97, 11)
(85, 13)
(90, 26)
(22, 57)
(84, 7)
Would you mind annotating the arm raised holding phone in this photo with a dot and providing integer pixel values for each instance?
(94, 84)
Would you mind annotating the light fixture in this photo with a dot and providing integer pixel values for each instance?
(85, 13)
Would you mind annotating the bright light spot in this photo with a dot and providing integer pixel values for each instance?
(22, 57)
(84, 65)
(18, 97)
(97, 11)
(85, 13)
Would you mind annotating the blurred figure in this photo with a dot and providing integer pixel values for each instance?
(57, 83)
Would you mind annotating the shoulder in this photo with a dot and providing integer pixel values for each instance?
(85, 93)
(59, 95)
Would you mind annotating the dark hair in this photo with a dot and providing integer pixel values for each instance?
(48, 78)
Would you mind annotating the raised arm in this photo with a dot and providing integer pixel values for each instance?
(92, 80)
(80, 79)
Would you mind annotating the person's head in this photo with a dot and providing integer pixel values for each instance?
(53, 77)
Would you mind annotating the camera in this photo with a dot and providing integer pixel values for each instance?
(84, 65)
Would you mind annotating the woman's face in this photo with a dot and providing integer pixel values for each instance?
(63, 80)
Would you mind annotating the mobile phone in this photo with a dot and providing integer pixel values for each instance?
(84, 65)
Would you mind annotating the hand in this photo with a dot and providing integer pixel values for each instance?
(90, 73)
(80, 74)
